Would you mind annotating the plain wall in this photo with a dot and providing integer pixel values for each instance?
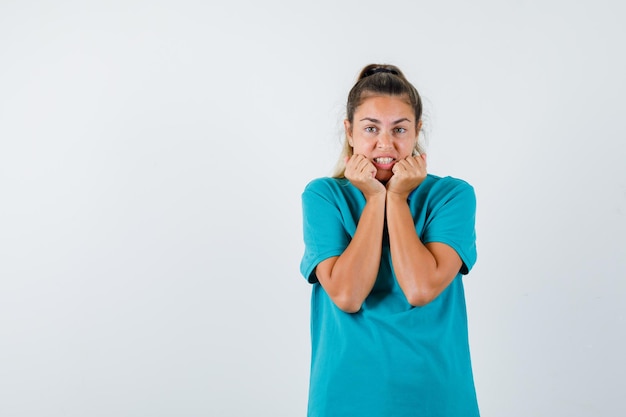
(152, 157)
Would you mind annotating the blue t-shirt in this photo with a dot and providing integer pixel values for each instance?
(390, 358)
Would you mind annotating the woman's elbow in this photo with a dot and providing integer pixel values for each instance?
(348, 304)
(420, 297)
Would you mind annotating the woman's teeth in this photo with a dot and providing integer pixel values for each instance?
(383, 161)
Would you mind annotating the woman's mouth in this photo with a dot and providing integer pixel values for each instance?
(384, 162)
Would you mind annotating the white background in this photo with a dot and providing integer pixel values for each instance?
(152, 156)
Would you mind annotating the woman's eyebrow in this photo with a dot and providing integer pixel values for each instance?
(378, 121)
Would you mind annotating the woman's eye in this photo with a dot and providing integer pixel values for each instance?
(370, 129)
(400, 130)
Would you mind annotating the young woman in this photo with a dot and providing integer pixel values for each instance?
(386, 246)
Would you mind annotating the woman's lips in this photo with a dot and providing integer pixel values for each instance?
(384, 162)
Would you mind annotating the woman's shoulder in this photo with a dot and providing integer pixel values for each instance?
(326, 184)
(447, 182)
(336, 190)
(435, 186)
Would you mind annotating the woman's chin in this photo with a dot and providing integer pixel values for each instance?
(384, 176)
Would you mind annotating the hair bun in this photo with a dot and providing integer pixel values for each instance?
(376, 70)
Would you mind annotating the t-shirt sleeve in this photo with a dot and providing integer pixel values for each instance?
(452, 222)
(324, 232)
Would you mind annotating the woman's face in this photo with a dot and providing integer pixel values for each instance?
(384, 130)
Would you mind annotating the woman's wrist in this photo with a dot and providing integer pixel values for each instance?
(380, 196)
(394, 197)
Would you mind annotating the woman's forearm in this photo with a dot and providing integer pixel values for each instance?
(422, 271)
(349, 278)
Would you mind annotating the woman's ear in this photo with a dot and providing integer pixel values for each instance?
(348, 128)
(418, 129)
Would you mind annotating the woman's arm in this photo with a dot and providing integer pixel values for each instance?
(349, 278)
(422, 271)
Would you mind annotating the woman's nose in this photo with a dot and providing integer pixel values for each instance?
(384, 141)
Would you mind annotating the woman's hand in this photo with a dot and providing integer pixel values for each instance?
(408, 174)
(362, 174)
